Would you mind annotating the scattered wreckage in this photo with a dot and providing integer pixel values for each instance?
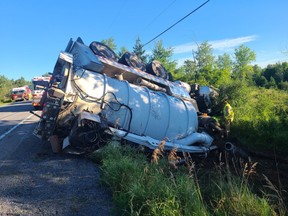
(93, 94)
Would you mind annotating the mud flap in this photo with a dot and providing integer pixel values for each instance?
(55, 144)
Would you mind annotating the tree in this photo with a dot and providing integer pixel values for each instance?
(261, 81)
(186, 72)
(21, 82)
(285, 71)
(122, 51)
(274, 71)
(139, 51)
(278, 71)
(164, 56)
(46, 74)
(204, 59)
(110, 43)
(224, 66)
(283, 85)
(224, 62)
(271, 83)
(189, 70)
(243, 57)
(257, 77)
(5, 87)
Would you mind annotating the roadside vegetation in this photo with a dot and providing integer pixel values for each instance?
(261, 121)
(157, 185)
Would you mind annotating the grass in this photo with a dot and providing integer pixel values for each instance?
(156, 185)
(5, 101)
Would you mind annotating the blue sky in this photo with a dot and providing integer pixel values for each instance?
(33, 32)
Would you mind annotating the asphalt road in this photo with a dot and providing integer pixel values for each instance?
(35, 181)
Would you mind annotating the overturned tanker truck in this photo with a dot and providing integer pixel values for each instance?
(93, 94)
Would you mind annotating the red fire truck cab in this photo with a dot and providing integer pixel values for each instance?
(39, 85)
(20, 93)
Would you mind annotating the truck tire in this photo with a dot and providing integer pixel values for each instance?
(132, 60)
(103, 50)
(157, 69)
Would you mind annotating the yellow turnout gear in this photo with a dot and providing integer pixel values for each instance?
(228, 117)
(228, 112)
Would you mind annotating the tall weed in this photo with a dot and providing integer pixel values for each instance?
(230, 193)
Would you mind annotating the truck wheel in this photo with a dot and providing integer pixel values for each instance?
(132, 60)
(157, 69)
(103, 50)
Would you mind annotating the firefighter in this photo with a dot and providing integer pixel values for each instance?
(228, 116)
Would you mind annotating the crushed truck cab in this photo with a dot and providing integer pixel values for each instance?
(93, 95)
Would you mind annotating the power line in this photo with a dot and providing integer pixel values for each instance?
(176, 23)
(115, 18)
(155, 18)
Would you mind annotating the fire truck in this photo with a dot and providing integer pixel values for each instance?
(39, 85)
(20, 93)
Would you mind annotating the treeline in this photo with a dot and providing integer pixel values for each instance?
(273, 76)
(6, 86)
(205, 68)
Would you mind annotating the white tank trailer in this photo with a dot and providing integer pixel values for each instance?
(93, 95)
